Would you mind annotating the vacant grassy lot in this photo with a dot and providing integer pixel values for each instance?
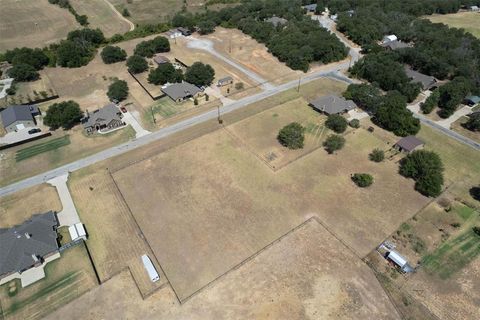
(470, 21)
(259, 133)
(101, 16)
(66, 279)
(208, 204)
(303, 276)
(19, 206)
(26, 23)
(37, 149)
(55, 151)
(115, 241)
(26, 92)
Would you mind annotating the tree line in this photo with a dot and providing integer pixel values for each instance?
(82, 19)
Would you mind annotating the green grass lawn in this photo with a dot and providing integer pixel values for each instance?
(470, 21)
(32, 151)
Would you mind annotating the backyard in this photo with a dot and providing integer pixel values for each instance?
(470, 21)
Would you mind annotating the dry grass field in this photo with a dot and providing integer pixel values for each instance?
(208, 204)
(81, 145)
(19, 206)
(259, 134)
(458, 127)
(26, 23)
(66, 279)
(470, 21)
(101, 16)
(115, 241)
(308, 274)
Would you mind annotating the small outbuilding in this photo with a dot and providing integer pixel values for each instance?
(19, 117)
(409, 144)
(179, 92)
(310, 7)
(159, 59)
(224, 81)
(184, 31)
(472, 100)
(389, 38)
(333, 104)
(173, 33)
(77, 231)
(474, 8)
(400, 261)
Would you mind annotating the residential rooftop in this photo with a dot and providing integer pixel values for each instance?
(18, 113)
(333, 104)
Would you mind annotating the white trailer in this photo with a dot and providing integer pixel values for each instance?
(152, 273)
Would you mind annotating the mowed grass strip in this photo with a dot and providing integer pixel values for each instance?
(453, 255)
(32, 151)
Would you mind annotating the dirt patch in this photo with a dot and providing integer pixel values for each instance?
(304, 275)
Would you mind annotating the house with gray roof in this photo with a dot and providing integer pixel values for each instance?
(310, 7)
(409, 144)
(104, 119)
(28, 245)
(427, 82)
(276, 21)
(19, 117)
(472, 100)
(333, 104)
(395, 45)
(179, 92)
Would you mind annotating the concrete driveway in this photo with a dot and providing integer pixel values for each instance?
(130, 119)
(447, 123)
(69, 215)
(20, 135)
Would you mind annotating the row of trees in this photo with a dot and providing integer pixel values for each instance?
(199, 74)
(82, 19)
(150, 47)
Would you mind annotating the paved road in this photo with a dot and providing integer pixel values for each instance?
(164, 132)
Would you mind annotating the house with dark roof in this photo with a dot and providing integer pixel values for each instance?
(29, 245)
(179, 92)
(333, 104)
(224, 81)
(409, 144)
(427, 82)
(395, 45)
(104, 119)
(472, 100)
(15, 118)
(277, 21)
(184, 31)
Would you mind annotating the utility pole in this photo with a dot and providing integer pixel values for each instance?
(298, 87)
(230, 46)
(153, 115)
(220, 121)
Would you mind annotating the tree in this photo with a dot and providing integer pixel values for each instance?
(164, 73)
(362, 180)
(426, 168)
(476, 230)
(64, 114)
(366, 96)
(34, 57)
(150, 47)
(431, 102)
(354, 123)
(125, 12)
(23, 72)
(334, 142)
(118, 90)
(292, 136)
(336, 123)
(393, 115)
(377, 155)
(137, 64)
(86, 35)
(473, 122)
(74, 54)
(475, 193)
(111, 54)
(200, 74)
(206, 27)
(452, 94)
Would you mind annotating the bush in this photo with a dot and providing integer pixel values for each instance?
(23, 72)
(431, 102)
(354, 123)
(476, 230)
(125, 12)
(74, 54)
(377, 155)
(111, 54)
(426, 168)
(34, 57)
(91, 36)
(336, 123)
(165, 73)
(118, 90)
(475, 193)
(473, 122)
(239, 86)
(334, 142)
(200, 74)
(64, 114)
(137, 64)
(292, 136)
(362, 180)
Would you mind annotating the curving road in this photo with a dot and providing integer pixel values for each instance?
(130, 23)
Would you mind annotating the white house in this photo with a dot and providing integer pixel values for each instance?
(474, 8)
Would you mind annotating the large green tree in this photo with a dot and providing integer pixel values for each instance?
(118, 90)
(112, 54)
(333, 143)
(426, 168)
(336, 123)
(200, 74)
(64, 114)
(150, 47)
(23, 72)
(165, 73)
(292, 136)
(137, 64)
(473, 122)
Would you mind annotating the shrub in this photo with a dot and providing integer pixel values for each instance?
(64, 114)
(475, 193)
(362, 180)
(476, 230)
(92, 36)
(111, 54)
(292, 136)
(334, 142)
(125, 12)
(239, 86)
(34, 57)
(336, 123)
(23, 72)
(118, 90)
(354, 123)
(165, 73)
(377, 155)
(473, 122)
(426, 168)
(74, 54)
(431, 102)
(150, 47)
(137, 64)
(200, 74)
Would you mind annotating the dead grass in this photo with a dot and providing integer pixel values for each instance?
(115, 241)
(307, 274)
(66, 279)
(458, 127)
(25, 23)
(21, 205)
(101, 16)
(470, 21)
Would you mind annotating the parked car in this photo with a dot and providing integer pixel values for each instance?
(34, 130)
(124, 110)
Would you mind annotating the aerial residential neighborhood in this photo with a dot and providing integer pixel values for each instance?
(240, 159)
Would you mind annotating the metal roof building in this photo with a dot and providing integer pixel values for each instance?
(409, 144)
